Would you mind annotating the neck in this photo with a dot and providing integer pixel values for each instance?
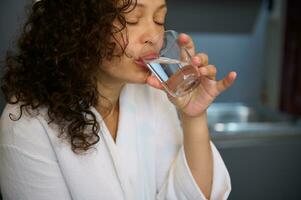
(109, 90)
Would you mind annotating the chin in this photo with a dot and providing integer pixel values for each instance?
(139, 77)
(135, 74)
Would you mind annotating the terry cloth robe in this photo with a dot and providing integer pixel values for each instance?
(147, 161)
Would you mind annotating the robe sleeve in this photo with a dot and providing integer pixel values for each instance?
(178, 182)
(28, 167)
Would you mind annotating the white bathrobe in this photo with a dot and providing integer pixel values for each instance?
(147, 162)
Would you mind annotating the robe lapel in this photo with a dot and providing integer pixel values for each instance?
(89, 176)
(124, 151)
(108, 171)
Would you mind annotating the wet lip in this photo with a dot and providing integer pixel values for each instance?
(150, 56)
(141, 64)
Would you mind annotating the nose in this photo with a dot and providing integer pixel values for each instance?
(151, 34)
(148, 38)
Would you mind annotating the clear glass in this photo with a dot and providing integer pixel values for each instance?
(170, 63)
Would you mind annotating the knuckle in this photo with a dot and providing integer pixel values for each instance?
(214, 70)
(204, 57)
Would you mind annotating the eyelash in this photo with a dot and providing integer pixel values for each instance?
(160, 24)
(135, 23)
(132, 23)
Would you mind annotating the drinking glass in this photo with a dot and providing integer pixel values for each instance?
(170, 63)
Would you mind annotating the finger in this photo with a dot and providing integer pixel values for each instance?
(225, 83)
(210, 71)
(154, 82)
(186, 42)
(196, 61)
(204, 60)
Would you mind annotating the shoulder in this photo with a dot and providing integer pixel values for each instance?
(15, 120)
(25, 133)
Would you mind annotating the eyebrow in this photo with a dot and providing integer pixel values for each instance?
(140, 5)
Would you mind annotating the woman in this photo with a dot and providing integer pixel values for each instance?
(85, 118)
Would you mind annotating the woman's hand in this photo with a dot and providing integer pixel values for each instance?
(196, 103)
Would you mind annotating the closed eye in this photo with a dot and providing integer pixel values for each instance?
(132, 23)
(160, 23)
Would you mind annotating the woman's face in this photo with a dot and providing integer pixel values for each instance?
(143, 23)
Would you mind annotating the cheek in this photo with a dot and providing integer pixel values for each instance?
(130, 52)
(117, 65)
(125, 70)
(127, 47)
(133, 48)
(120, 42)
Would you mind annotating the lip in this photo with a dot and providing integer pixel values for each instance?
(150, 56)
(141, 64)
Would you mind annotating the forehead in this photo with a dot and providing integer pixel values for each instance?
(150, 3)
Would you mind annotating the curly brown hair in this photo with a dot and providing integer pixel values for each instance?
(60, 49)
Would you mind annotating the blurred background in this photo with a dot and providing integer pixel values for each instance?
(256, 124)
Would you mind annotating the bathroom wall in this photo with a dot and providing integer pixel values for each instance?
(233, 35)
(11, 19)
